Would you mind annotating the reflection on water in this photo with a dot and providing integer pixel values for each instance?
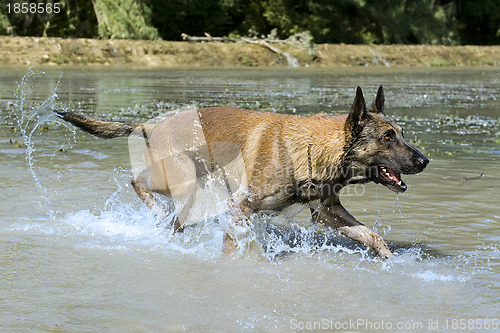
(100, 262)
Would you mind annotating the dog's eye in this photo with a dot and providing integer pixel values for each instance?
(389, 135)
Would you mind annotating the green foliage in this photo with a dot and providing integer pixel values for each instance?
(75, 19)
(29, 24)
(340, 21)
(127, 19)
(327, 21)
(196, 17)
(477, 22)
(359, 21)
(5, 28)
(407, 22)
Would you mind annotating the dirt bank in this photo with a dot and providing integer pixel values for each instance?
(23, 50)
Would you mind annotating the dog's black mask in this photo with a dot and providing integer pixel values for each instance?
(377, 145)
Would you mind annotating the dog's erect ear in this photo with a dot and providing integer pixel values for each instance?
(378, 104)
(358, 112)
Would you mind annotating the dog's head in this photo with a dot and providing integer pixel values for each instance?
(377, 150)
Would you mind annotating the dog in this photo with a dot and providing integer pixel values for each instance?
(281, 160)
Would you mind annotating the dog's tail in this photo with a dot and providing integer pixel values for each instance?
(98, 127)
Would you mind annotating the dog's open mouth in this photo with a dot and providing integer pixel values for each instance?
(391, 179)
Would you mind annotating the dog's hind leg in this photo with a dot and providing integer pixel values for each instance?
(140, 186)
(173, 176)
(331, 213)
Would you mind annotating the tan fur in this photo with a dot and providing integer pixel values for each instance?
(270, 161)
(277, 142)
(277, 150)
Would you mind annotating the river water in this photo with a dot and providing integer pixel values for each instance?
(79, 252)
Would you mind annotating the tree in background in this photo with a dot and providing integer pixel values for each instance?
(5, 27)
(359, 21)
(124, 19)
(75, 19)
(339, 21)
(327, 21)
(477, 22)
(174, 17)
(97, 18)
(407, 22)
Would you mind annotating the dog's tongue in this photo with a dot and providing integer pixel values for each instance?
(390, 174)
(393, 175)
(392, 179)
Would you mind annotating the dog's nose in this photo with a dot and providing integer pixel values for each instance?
(420, 162)
(423, 161)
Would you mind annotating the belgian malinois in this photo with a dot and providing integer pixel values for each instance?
(285, 159)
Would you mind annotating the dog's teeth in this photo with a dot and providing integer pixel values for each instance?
(399, 183)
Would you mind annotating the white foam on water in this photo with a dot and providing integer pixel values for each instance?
(429, 275)
(126, 227)
(415, 263)
(130, 226)
(299, 239)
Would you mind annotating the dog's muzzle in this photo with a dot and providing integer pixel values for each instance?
(391, 179)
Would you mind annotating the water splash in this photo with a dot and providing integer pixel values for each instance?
(30, 117)
(126, 224)
(399, 206)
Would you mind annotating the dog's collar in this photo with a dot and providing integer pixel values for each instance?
(310, 187)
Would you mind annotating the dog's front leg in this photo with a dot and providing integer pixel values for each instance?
(141, 188)
(237, 228)
(331, 213)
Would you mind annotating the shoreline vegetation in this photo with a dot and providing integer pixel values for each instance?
(212, 54)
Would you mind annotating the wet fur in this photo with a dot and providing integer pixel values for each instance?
(287, 158)
(100, 128)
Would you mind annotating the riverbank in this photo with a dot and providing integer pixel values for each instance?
(165, 54)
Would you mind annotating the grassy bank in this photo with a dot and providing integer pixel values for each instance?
(23, 50)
